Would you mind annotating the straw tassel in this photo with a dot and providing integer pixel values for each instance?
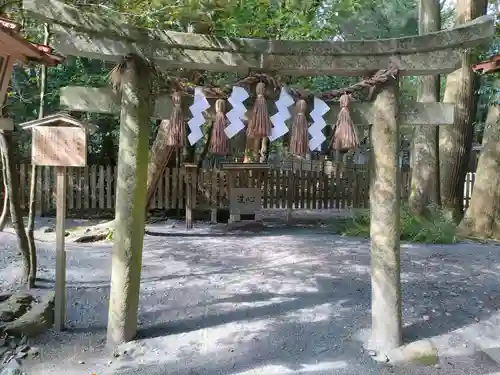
(299, 141)
(219, 143)
(176, 136)
(345, 137)
(259, 125)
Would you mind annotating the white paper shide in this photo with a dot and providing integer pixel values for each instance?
(319, 123)
(279, 128)
(199, 105)
(237, 113)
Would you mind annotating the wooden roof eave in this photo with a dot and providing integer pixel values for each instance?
(25, 51)
(491, 65)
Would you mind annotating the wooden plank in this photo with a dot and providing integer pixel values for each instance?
(107, 47)
(59, 146)
(72, 42)
(314, 195)
(105, 100)
(78, 195)
(465, 36)
(60, 292)
(86, 190)
(93, 186)
(102, 192)
(109, 187)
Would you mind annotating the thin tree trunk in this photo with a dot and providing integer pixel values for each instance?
(33, 182)
(12, 177)
(425, 171)
(131, 195)
(5, 210)
(455, 141)
(482, 218)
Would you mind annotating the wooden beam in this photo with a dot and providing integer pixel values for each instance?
(464, 36)
(70, 42)
(105, 100)
(90, 35)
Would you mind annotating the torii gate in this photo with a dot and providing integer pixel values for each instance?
(92, 36)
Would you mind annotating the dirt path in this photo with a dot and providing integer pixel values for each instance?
(283, 302)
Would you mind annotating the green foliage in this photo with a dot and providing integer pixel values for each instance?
(437, 228)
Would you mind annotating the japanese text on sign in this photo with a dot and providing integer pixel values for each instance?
(245, 200)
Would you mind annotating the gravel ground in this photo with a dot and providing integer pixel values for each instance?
(279, 302)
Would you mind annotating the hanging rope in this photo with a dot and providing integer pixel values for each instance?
(219, 143)
(299, 141)
(259, 125)
(345, 137)
(176, 135)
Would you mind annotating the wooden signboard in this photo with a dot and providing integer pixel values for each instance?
(245, 201)
(59, 146)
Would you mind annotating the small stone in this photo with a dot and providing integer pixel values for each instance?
(81, 362)
(372, 353)
(476, 319)
(426, 318)
(34, 351)
(437, 365)
(447, 313)
(109, 363)
(464, 345)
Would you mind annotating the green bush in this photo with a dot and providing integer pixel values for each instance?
(436, 228)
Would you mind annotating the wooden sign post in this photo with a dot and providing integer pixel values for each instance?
(61, 141)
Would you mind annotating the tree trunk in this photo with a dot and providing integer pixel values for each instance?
(425, 171)
(5, 209)
(33, 182)
(482, 218)
(385, 196)
(160, 156)
(455, 141)
(12, 178)
(131, 195)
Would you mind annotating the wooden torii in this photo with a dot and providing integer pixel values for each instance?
(90, 35)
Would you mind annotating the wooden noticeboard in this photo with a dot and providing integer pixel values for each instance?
(59, 146)
(245, 201)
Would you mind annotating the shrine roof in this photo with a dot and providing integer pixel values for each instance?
(12, 43)
(57, 119)
(491, 65)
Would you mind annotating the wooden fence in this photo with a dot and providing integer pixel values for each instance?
(91, 190)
